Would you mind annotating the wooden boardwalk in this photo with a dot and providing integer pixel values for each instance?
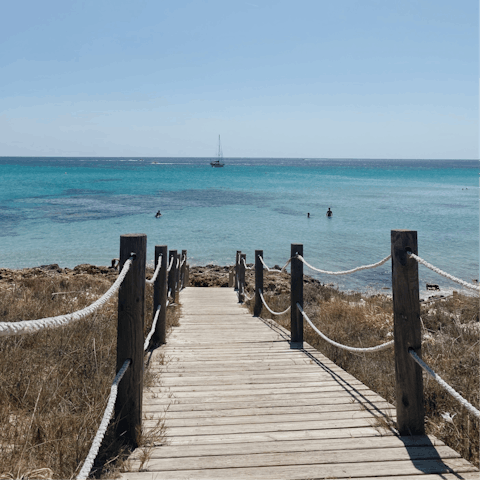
(238, 403)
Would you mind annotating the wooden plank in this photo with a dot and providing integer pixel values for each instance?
(272, 418)
(160, 410)
(254, 437)
(280, 446)
(386, 454)
(338, 470)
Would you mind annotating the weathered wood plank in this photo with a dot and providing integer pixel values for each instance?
(337, 470)
(301, 458)
(280, 446)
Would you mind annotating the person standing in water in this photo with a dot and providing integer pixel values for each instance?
(329, 212)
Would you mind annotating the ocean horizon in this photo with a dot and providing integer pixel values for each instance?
(72, 210)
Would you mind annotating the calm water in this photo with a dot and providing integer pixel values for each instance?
(73, 210)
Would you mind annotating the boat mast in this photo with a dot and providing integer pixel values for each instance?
(220, 153)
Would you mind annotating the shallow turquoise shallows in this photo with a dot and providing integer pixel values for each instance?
(73, 210)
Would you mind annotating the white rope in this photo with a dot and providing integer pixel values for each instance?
(171, 264)
(444, 384)
(444, 274)
(178, 262)
(346, 272)
(269, 309)
(183, 261)
(97, 441)
(274, 269)
(155, 275)
(247, 297)
(245, 263)
(154, 324)
(30, 326)
(377, 348)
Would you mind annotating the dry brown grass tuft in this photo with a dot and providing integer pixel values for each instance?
(450, 346)
(54, 384)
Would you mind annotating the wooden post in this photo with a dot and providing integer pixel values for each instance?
(131, 314)
(241, 277)
(160, 296)
(296, 296)
(187, 281)
(172, 275)
(257, 309)
(184, 269)
(237, 260)
(407, 333)
(230, 277)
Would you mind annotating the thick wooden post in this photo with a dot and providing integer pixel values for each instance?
(187, 281)
(131, 314)
(296, 296)
(172, 275)
(241, 276)
(160, 296)
(184, 268)
(407, 333)
(257, 309)
(237, 260)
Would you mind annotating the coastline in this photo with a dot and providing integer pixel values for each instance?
(217, 276)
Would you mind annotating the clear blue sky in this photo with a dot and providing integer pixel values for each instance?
(276, 78)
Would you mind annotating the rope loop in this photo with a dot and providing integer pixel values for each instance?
(245, 263)
(465, 284)
(377, 348)
(345, 272)
(274, 269)
(157, 270)
(107, 415)
(171, 264)
(269, 309)
(30, 326)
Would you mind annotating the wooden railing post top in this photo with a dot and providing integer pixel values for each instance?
(403, 242)
(129, 235)
(296, 249)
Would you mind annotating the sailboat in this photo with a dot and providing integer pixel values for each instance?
(218, 163)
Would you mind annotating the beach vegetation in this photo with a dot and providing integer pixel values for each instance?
(450, 345)
(54, 384)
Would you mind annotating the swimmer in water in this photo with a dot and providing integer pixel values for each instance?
(158, 214)
(329, 213)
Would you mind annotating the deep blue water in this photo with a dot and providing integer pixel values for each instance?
(73, 210)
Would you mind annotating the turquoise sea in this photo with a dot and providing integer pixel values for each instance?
(73, 210)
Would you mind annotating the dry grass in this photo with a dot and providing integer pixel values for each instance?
(54, 384)
(450, 346)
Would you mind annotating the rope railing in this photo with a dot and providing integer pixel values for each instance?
(465, 284)
(157, 270)
(31, 326)
(152, 330)
(377, 348)
(170, 265)
(97, 441)
(269, 309)
(444, 384)
(274, 269)
(245, 264)
(346, 272)
(247, 297)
